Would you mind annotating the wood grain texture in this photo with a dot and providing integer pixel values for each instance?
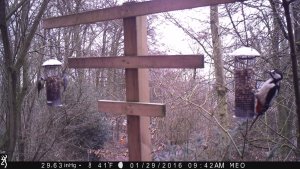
(132, 108)
(144, 94)
(127, 10)
(155, 61)
(138, 132)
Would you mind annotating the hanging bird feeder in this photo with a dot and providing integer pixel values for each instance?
(244, 62)
(53, 79)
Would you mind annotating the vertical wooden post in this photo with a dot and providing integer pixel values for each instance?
(137, 89)
(144, 94)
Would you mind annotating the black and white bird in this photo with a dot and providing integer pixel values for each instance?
(40, 85)
(267, 93)
(64, 81)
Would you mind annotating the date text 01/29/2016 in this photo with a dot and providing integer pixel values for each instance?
(147, 165)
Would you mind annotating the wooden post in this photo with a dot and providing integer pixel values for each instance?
(147, 61)
(144, 94)
(137, 76)
(128, 10)
(137, 89)
(132, 108)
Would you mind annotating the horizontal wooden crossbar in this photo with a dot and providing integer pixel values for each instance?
(127, 10)
(132, 108)
(156, 61)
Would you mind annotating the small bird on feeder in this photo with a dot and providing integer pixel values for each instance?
(64, 82)
(40, 85)
(267, 93)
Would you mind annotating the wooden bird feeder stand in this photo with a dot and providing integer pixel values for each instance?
(135, 61)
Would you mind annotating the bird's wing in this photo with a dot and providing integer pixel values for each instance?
(271, 95)
(263, 92)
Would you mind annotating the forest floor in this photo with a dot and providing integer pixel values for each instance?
(118, 151)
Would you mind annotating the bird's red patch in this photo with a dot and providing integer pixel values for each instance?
(258, 107)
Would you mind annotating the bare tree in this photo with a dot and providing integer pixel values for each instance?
(220, 86)
(15, 55)
(286, 6)
(218, 65)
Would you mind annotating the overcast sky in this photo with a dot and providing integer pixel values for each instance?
(175, 41)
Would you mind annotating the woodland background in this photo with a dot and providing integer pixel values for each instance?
(199, 123)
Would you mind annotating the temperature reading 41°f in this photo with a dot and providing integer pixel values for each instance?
(105, 165)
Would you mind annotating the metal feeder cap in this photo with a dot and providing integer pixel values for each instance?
(245, 51)
(52, 62)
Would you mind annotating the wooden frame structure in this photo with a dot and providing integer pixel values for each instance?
(135, 61)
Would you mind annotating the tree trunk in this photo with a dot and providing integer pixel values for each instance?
(222, 108)
(286, 6)
(103, 51)
(296, 16)
(284, 115)
(15, 92)
(218, 65)
(296, 11)
(9, 79)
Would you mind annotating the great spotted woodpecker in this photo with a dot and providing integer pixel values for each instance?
(267, 93)
(40, 85)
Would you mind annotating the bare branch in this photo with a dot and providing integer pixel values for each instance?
(281, 25)
(15, 7)
(234, 26)
(23, 51)
(175, 22)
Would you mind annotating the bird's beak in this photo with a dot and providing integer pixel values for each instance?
(268, 72)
